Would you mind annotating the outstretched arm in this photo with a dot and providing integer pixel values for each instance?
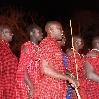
(90, 72)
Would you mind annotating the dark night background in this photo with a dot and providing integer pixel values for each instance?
(21, 13)
(52, 8)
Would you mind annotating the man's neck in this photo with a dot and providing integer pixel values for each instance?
(34, 41)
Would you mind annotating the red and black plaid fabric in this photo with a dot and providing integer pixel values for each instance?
(8, 68)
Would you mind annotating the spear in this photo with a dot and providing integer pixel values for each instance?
(76, 65)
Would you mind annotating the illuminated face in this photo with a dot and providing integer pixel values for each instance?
(78, 43)
(7, 35)
(57, 31)
(62, 42)
(37, 34)
(96, 43)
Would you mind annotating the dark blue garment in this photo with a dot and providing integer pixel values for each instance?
(69, 89)
(65, 60)
(69, 92)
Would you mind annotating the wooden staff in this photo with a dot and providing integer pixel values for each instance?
(76, 65)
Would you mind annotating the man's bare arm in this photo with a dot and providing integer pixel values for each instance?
(90, 72)
(28, 82)
(48, 70)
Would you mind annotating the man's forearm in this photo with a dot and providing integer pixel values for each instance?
(51, 72)
(94, 77)
(28, 81)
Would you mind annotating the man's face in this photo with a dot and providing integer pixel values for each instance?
(62, 42)
(7, 35)
(38, 34)
(79, 43)
(57, 31)
(96, 44)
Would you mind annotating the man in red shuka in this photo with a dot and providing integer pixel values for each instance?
(8, 65)
(52, 83)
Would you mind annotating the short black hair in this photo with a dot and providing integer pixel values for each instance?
(33, 26)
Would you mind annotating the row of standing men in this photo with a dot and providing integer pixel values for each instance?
(44, 71)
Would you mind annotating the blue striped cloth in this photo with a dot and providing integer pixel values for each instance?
(69, 92)
(65, 60)
(69, 89)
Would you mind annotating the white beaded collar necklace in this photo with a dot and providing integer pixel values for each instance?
(95, 50)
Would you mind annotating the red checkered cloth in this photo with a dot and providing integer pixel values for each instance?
(28, 61)
(48, 87)
(81, 73)
(92, 88)
(8, 68)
